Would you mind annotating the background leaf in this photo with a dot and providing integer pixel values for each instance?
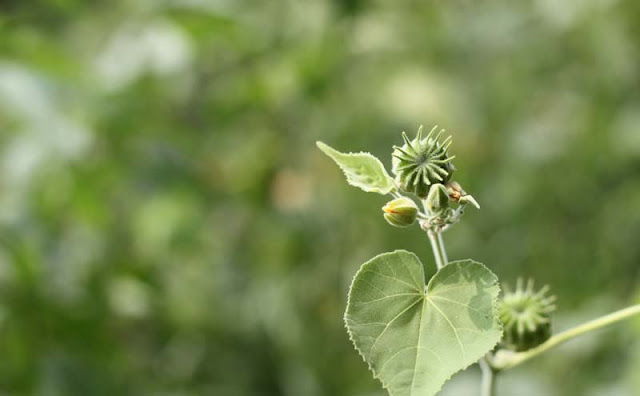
(362, 170)
(414, 338)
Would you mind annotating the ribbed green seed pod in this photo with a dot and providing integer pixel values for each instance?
(422, 162)
(525, 316)
(400, 212)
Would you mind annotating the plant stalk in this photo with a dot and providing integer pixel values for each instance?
(443, 251)
(488, 378)
(435, 246)
(566, 335)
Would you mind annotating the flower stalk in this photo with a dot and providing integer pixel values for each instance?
(488, 378)
(435, 247)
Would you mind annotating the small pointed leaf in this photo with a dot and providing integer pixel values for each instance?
(362, 170)
(413, 337)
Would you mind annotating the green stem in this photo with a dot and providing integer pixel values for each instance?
(443, 251)
(436, 248)
(488, 378)
(560, 338)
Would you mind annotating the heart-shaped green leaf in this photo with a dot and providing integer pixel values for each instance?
(413, 337)
(362, 170)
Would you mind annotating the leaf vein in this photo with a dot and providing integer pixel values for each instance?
(415, 363)
(390, 322)
(452, 328)
(459, 303)
(395, 279)
(386, 297)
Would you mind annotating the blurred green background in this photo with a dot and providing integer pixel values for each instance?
(168, 227)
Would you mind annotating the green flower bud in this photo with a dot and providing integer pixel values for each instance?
(525, 317)
(421, 162)
(400, 212)
(438, 198)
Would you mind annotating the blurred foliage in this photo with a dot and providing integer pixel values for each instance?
(168, 227)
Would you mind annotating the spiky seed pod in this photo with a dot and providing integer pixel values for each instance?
(524, 314)
(422, 162)
(400, 212)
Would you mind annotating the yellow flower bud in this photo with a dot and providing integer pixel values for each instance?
(400, 212)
